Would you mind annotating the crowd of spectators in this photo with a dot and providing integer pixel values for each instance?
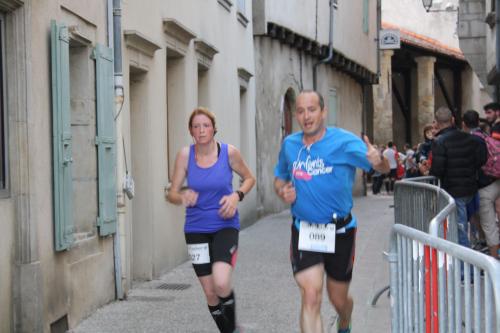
(464, 159)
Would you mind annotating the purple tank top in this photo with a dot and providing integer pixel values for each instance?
(211, 184)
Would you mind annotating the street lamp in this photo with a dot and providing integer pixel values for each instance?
(427, 5)
(449, 7)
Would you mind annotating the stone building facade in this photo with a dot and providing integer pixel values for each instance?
(71, 240)
(426, 72)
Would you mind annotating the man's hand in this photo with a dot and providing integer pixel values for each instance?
(373, 155)
(287, 193)
(377, 161)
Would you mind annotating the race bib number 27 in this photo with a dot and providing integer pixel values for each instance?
(317, 237)
(198, 253)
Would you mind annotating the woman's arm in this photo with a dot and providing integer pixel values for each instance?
(229, 202)
(175, 195)
(240, 167)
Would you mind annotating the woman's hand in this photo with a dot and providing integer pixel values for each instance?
(228, 205)
(189, 198)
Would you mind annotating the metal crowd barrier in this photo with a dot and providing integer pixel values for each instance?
(440, 286)
(421, 204)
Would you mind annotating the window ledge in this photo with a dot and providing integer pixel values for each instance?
(490, 19)
(242, 19)
(227, 4)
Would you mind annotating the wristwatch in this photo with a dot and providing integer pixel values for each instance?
(241, 195)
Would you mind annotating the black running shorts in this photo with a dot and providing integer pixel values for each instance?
(338, 265)
(222, 246)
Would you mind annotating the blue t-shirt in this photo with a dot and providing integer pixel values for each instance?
(323, 173)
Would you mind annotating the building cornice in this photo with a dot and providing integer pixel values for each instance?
(311, 47)
(10, 5)
(136, 40)
(204, 53)
(178, 36)
(244, 77)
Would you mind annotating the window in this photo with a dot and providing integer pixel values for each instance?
(287, 109)
(175, 85)
(83, 135)
(241, 12)
(332, 107)
(3, 115)
(241, 6)
(203, 84)
(366, 16)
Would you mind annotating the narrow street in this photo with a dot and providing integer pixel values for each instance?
(267, 296)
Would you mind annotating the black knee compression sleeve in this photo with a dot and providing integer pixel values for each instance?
(218, 315)
(229, 309)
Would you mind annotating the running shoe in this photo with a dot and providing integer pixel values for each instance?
(343, 330)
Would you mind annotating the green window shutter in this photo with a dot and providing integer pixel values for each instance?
(61, 138)
(106, 140)
(366, 12)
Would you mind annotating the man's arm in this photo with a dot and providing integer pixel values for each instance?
(378, 162)
(438, 165)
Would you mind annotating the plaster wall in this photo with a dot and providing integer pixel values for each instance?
(6, 262)
(157, 105)
(311, 19)
(75, 282)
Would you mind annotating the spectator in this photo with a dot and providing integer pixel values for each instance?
(390, 154)
(410, 162)
(378, 177)
(456, 159)
(489, 188)
(424, 148)
(492, 112)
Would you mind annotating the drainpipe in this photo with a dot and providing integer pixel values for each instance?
(114, 39)
(497, 28)
(379, 27)
(330, 47)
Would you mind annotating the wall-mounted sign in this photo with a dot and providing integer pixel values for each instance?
(389, 39)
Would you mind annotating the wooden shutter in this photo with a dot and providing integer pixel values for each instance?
(61, 138)
(106, 140)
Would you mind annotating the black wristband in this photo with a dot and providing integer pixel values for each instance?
(241, 195)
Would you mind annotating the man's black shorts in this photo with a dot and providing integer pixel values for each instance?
(338, 265)
(222, 246)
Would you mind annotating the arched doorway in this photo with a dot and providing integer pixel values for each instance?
(287, 108)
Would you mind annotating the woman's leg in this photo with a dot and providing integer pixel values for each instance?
(214, 303)
(225, 250)
(222, 273)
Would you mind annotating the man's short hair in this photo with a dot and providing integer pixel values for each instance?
(443, 115)
(390, 144)
(320, 97)
(471, 119)
(492, 106)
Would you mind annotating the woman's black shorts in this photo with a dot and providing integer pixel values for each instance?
(222, 246)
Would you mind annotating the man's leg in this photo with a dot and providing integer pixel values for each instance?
(487, 197)
(462, 222)
(310, 281)
(338, 292)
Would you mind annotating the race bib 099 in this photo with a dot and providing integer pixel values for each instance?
(199, 254)
(317, 237)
